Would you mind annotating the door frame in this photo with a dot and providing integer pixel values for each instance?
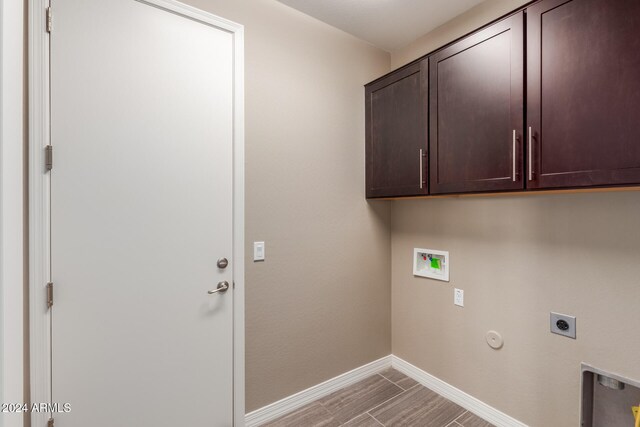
(12, 207)
(39, 199)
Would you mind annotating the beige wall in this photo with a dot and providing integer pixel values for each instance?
(465, 23)
(320, 304)
(517, 258)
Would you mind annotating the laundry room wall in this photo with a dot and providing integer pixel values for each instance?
(319, 305)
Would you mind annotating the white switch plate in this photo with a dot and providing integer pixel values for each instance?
(458, 297)
(258, 251)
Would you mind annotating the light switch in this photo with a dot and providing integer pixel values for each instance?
(258, 251)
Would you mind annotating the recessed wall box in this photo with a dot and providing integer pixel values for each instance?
(608, 399)
(431, 263)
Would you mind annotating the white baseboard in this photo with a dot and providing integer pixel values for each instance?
(298, 400)
(293, 402)
(455, 395)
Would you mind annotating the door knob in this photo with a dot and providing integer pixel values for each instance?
(222, 263)
(222, 288)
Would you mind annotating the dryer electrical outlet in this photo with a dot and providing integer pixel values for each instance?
(563, 324)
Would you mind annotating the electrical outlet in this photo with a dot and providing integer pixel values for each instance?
(458, 297)
(563, 324)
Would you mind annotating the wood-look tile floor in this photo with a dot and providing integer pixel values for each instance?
(387, 399)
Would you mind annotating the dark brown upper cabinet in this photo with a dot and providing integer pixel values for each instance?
(583, 93)
(396, 135)
(477, 111)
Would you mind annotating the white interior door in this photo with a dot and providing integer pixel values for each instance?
(141, 210)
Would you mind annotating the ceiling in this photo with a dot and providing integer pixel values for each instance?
(388, 24)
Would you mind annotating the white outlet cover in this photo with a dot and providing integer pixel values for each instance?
(458, 297)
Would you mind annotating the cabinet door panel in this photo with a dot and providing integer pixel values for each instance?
(476, 104)
(396, 134)
(583, 65)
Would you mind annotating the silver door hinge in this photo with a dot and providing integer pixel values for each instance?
(50, 422)
(48, 157)
(48, 20)
(49, 294)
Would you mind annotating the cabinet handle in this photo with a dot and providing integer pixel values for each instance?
(530, 154)
(421, 168)
(514, 155)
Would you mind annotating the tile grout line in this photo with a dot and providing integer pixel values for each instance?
(398, 385)
(392, 382)
(324, 407)
(453, 423)
(382, 376)
(386, 401)
(458, 417)
(279, 419)
(398, 395)
(405, 389)
(382, 403)
(366, 412)
(375, 419)
(358, 416)
(393, 397)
